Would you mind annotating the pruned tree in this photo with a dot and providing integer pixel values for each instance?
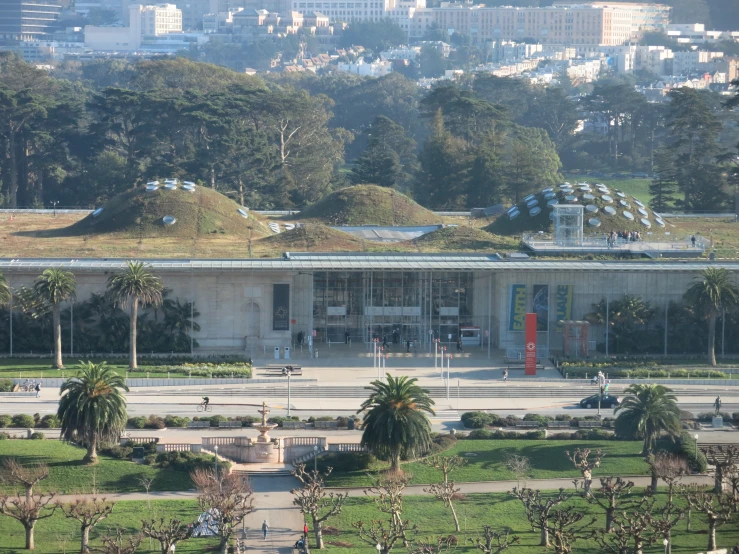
(608, 496)
(314, 501)
(564, 529)
(668, 467)
(718, 509)
(520, 466)
(725, 459)
(439, 545)
(664, 524)
(539, 508)
(495, 542)
(631, 531)
(168, 532)
(388, 497)
(228, 498)
(445, 490)
(146, 483)
(118, 542)
(28, 509)
(581, 460)
(14, 473)
(88, 512)
(686, 490)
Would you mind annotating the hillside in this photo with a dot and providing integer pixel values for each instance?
(463, 239)
(312, 237)
(368, 205)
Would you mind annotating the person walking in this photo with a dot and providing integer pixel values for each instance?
(459, 345)
(305, 531)
(346, 337)
(384, 341)
(38, 390)
(692, 240)
(505, 375)
(264, 529)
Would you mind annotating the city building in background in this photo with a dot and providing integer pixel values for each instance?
(27, 20)
(144, 22)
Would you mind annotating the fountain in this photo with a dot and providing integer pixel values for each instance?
(263, 448)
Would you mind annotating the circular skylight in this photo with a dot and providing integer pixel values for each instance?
(624, 203)
(638, 203)
(659, 222)
(571, 198)
(588, 196)
(97, 212)
(592, 208)
(151, 188)
(629, 216)
(609, 210)
(594, 222)
(243, 212)
(154, 183)
(645, 222)
(188, 188)
(169, 220)
(551, 202)
(550, 189)
(189, 183)
(170, 186)
(514, 215)
(529, 197)
(643, 212)
(607, 198)
(549, 195)
(531, 203)
(535, 211)
(620, 195)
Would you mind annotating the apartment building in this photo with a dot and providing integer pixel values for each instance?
(160, 19)
(22, 20)
(145, 21)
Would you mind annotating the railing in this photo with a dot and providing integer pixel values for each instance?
(218, 441)
(140, 440)
(346, 447)
(177, 447)
(303, 441)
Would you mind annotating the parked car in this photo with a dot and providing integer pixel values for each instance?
(607, 401)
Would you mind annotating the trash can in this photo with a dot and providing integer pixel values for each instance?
(350, 424)
(277, 352)
(287, 352)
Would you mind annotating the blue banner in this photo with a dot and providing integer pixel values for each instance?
(517, 318)
(564, 303)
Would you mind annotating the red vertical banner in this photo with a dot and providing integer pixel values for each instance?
(530, 367)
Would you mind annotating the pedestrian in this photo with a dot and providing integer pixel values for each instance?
(408, 346)
(346, 337)
(305, 531)
(300, 338)
(505, 375)
(384, 341)
(692, 240)
(38, 390)
(459, 345)
(264, 529)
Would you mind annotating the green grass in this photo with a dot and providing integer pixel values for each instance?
(57, 535)
(68, 475)
(547, 457)
(457, 239)
(632, 187)
(500, 511)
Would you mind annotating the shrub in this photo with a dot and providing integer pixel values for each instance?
(540, 419)
(480, 434)
(5, 421)
(707, 417)
(560, 436)
(136, 422)
(6, 385)
(476, 420)
(279, 420)
(49, 421)
(535, 435)
(118, 452)
(686, 447)
(155, 422)
(346, 461)
(247, 421)
(598, 435)
(4, 436)
(188, 461)
(23, 420)
(176, 421)
(37, 436)
(735, 416)
(563, 417)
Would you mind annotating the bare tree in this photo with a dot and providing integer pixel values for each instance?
(14, 473)
(117, 542)
(445, 490)
(314, 501)
(227, 498)
(538, 509)
(718, 509)
(686, 490)
(520, 466)
(88, 512)
(28, 510)
(495, 542)
(631, 531)
(664, 524)
(146, 483)
(167, 532)
(725, 459)
(440, 545)
(564, 530)
(581, 460)
(608, 496)
(670, 468)
(388, 497)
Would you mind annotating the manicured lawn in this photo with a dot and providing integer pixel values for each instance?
(487, 463)
(500, 511)
(35, 368)
(58, 535)
(67, 475)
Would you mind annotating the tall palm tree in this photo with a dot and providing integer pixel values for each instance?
(92, 408)
(646, 412)
(395, 422)
(130, 288)
(4, 290)
(51, 288)
(712, 293)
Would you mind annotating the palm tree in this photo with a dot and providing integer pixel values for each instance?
(92, 408)
(395, 422)
(136, 285)
(4, 290)
(51, 288)
(646, 412)
(712, 293)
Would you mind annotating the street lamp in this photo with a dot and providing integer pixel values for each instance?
(667, 544)
(288, 392)
(55, 202)
(696, 445)
(215, 448)
(315, 458)
(378, 547)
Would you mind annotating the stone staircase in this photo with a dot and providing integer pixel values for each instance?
(262, 470)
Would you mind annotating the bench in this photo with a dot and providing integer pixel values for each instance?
(232, 424)
(513, 364)
(198, 424)
(558, 424)
(526, 424)
(589, 424)
(326, 424)
(293, 424)
(279, 371)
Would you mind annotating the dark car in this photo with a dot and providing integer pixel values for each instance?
(607, 401)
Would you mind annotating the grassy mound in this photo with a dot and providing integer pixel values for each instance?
(312, 237)
(456, 239)
(139, 213)
(368, 205)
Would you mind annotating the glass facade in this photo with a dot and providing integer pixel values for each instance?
(395, 305)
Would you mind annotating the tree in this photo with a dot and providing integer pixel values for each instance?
(668, 467)
(314, 501)
(628, 319)
(117, 542)
(395, 421)
(92, 408)
(131, 288)
(711, 294)
(387, 495)
(647, 412)
(631, 530)
(718, 509)
(539, 509)
(53, 287)
(88, 513)
(554, 112)
(529, 161)
(440, 545)
(377, 165)
(28, 508)
(520, 466)
(562, 527)
(664, 184)
(445, 490)
(726, 460)
(431, 61)
(4, 290)
(503, 539)
(167, 532)
(374, 35)
(581, 460)
(228, 498)
(608, 497)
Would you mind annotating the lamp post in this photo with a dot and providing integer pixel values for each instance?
(379, 548)
(55, 202)
(215, 448)
(696, 445)
(315, 458)
(667, 544)
(288, 392)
